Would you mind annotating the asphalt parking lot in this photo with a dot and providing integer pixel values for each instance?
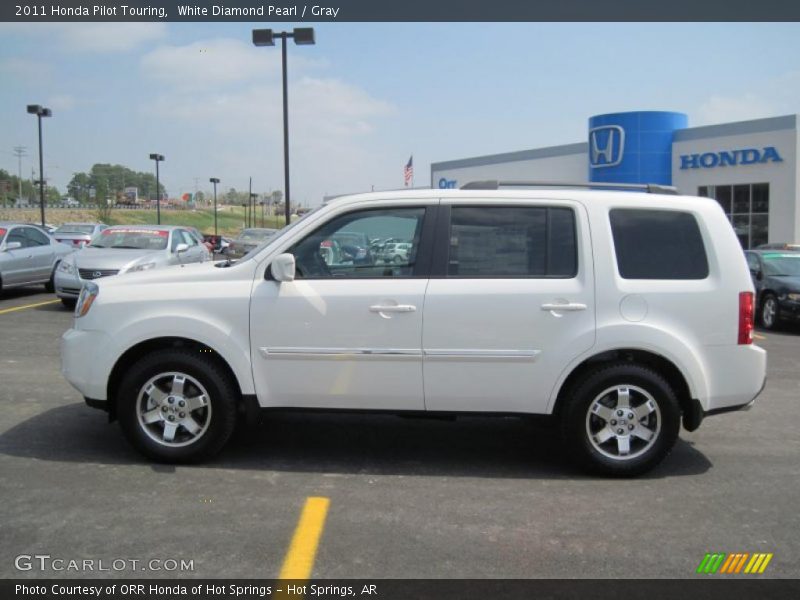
(477, 497)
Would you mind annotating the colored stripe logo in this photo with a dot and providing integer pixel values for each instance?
(734, 563)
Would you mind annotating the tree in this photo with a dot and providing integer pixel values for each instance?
(13, 185)
(52, 195)
(110, 181)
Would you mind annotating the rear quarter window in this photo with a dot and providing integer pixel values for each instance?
(658, 244)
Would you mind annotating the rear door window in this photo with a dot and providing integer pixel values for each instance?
(512, 242)
(658, 244)
(36, 237)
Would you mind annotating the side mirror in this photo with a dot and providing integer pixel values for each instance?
(282, 267)
(12, 246)
(181, 248)
(760, 275)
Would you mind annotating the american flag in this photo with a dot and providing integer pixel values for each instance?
(408, 171)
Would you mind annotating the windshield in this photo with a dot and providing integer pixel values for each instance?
(276, 236)
(782, 264)
(133, 239)
(75, 228)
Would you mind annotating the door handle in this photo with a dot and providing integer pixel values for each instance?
(569, 306)
(392, 308)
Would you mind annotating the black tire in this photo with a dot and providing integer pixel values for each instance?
(769, 312)
(69, 303)
(576, 422)
(50, 286)
(222, 397)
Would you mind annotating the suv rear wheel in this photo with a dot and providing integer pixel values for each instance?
(177, 406)
(621, 419)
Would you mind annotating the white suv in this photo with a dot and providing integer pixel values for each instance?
(617, 313)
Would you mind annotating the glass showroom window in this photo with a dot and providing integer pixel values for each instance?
(747, 207)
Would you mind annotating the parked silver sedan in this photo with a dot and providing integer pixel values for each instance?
(126, 249)
(77, 235)
(28, 256)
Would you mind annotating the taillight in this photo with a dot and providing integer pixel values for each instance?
(745, 317)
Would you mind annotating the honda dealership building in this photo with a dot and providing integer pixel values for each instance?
(749, 167)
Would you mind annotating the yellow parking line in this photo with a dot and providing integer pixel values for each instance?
(299, 559)
(16, 308)
(759, 337)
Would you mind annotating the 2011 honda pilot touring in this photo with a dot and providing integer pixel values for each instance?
(620, 314)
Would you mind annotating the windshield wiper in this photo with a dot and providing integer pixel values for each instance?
(125, 247)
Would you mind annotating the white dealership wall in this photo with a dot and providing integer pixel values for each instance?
(570, 163)
(556, 163)
(779, 133)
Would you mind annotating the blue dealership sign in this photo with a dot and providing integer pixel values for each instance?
(633, 147)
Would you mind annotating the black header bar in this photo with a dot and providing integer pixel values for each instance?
(399, 10)
(705, 587)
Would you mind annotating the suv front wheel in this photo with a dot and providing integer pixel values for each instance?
(621, 419)
(177, 406)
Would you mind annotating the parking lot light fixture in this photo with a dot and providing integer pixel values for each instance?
(40, 111)
(158, 158)
(215, 181)
(303, 36)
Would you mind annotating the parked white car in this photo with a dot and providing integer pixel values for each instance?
(77, 235)
(617, 313)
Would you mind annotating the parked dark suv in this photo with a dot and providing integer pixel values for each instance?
(776, 276)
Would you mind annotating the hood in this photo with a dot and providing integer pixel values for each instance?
(110, 258)
(791, 284)
(203, 273)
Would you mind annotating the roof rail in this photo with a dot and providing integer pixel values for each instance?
(493, 184)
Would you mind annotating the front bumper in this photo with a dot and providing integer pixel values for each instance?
(788, 310)
(68, 285)
(84, 361)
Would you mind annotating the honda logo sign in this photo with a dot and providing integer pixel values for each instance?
(606, 145)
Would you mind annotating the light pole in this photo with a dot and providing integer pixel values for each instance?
(253, 221)
(158, 158)
(19, 152)
(215, 181)
(303, 36)
(40, 111)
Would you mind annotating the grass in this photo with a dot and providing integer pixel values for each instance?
(230, 219)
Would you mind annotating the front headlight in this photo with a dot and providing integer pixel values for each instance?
(793, 297)
(66, 267)
(141, 267)
(86, 299)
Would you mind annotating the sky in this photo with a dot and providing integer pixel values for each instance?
(366, 97)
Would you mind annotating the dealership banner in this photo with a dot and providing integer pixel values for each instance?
(404, 589)
(407, 10)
